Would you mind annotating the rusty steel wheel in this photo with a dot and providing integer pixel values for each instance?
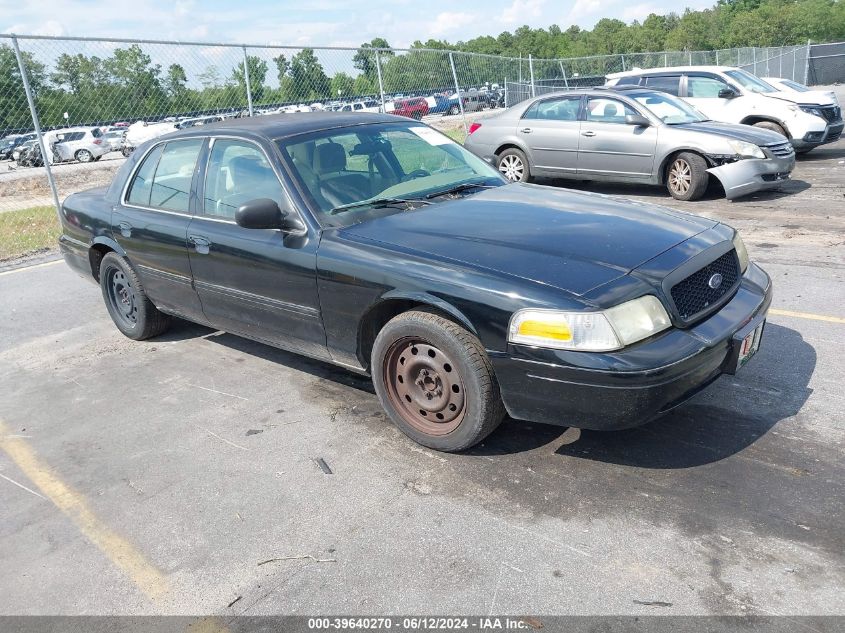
(424, 386)
(435, 380)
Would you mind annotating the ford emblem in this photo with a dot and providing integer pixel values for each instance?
(715, 281)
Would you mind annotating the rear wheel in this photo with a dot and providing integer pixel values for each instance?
(687, 177)
(769, 125)
(513, 165)
(453, 110)
(435, 381)
(84, 156)
(128, 305)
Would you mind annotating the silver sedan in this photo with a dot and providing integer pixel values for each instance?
(635, 135)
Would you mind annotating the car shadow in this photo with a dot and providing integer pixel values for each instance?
(658, 193)
(822, 153)
(723, 420)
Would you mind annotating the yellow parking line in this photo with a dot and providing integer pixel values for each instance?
(120, 551)
(808, 315)
(26, 268)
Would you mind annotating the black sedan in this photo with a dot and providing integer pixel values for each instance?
(378, 244)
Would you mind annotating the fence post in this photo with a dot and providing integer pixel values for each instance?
(794, 61)
(458, 88)
(246, 81)
(531, 70)
(780, 63)
(717, 56)
(380, 83)
(754, 59)
(565, 80)
(623, 63)
(34, 113)
(665, 60)
(807, 65)
(690, 58)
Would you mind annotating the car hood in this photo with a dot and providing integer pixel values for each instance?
(570, 240)
(813, 97)
(735, 131)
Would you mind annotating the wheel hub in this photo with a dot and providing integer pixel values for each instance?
(424, 387)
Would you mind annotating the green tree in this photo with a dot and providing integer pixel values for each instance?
(175, 81)
(342, 84)
(257, 76)
(365, 59)
(308, 80)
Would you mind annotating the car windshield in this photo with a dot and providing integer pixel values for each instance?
(795, 85)
(669, 109)
(357, 173)
(749, 81)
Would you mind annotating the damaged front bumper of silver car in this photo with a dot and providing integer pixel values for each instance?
(742, 177)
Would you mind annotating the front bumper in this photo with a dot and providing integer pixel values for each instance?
(628, 388)
(755, 174)
(811, 139)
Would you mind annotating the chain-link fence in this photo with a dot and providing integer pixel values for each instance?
(71, 109)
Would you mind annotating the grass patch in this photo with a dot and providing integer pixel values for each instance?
(27, 230)
(457, 134)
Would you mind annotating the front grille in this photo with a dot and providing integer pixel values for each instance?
(831, 113)
(694, 294)
(781, 150)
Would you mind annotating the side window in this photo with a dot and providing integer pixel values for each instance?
(665, 83)
(558, 109)
(601, 110)
(237, 173)
(631, 80)
(172, 181)
(699, 87)
(139, 191)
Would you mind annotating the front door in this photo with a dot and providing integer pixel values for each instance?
(550, 129)
(151, 224)
(611, 148)
(261, 283)
(702, 92)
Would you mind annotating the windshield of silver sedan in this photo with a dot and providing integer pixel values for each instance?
(352, 174)
(669, 109)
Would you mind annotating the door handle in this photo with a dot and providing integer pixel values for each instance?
(526, 130)
(201, 244)
(125, 229)
(588, 133)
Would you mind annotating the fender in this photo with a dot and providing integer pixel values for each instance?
(103, 240)
(664, 160)
(428, 299)
(771, 119)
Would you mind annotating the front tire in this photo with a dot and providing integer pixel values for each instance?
(128, 305)
(687, 177)
(513, 165)
(435, 381)
(769, 125)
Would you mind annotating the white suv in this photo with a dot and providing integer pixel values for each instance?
(733, 95)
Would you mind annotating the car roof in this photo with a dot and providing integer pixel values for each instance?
(278, 126)
(670, 69)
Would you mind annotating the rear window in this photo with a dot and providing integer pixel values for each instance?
(96, 132)
(628, 81)
(664, 83)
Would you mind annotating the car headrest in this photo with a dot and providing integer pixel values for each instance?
(329, 157)
(610, 109)
(246, 169)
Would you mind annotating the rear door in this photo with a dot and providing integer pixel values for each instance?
(151, 223)
(549, 128)
(261, 283)
(611, 148)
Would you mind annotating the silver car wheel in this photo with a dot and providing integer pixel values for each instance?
(512, 167)
(84, 156)
(680, 176)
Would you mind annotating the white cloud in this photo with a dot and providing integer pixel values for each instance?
(580, 9)
(449, 22)
(521, 12)
(639, 11)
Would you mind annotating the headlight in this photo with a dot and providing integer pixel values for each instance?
(811, 109)
(746, 150)
(603, 331)
(741, 253)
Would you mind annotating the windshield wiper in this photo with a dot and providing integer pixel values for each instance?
(461, 187)
(376, 202)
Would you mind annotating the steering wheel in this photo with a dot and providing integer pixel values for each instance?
(417, 173)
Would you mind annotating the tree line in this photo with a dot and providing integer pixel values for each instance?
(128, 85)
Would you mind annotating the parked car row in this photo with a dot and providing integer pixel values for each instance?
(675, 127)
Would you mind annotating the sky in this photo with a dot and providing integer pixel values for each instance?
(314, 22)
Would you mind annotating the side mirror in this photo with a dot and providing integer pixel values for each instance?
(261, 213)
(637, 119)
(727, 93)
